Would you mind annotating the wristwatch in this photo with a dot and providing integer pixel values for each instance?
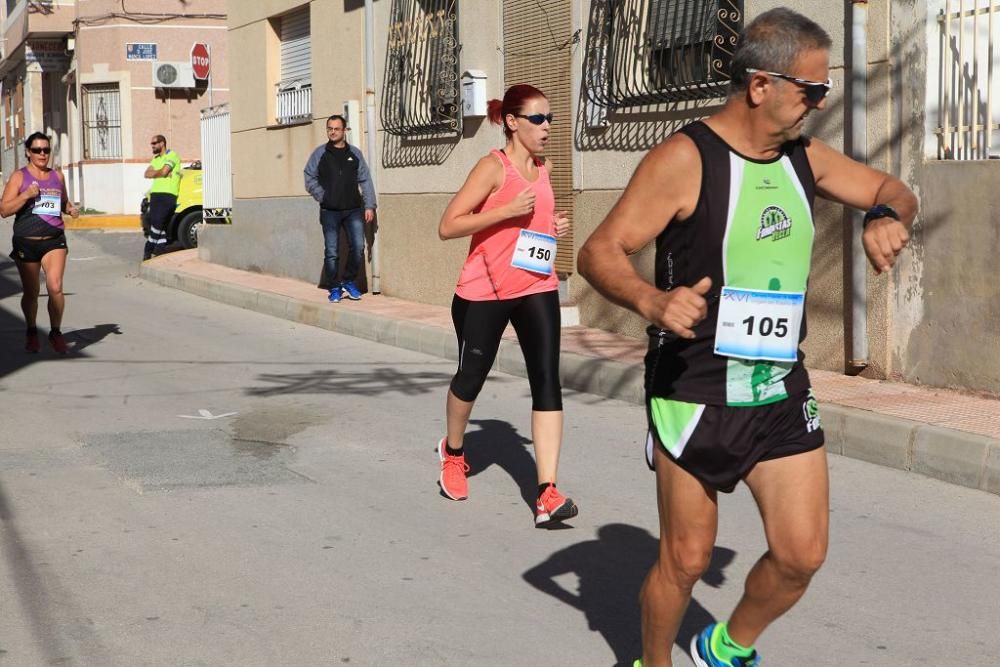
(879, 211)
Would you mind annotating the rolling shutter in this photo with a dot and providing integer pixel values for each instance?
(537, 39)
(296, 61)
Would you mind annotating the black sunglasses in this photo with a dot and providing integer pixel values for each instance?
(816, 91)
(536, 118)
(40, 151)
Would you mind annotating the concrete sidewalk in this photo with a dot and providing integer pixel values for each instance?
(934, 432)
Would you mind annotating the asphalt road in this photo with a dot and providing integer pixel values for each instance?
(202, 485)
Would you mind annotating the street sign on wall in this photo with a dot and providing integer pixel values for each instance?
(200, 61)
(140, 51)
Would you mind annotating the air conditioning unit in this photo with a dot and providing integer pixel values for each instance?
(172, 74)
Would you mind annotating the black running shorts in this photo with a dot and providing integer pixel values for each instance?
(720, 444)
(32, 250)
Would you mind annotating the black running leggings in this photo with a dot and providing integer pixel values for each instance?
(479, 326)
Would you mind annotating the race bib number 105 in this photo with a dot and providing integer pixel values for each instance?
(759, 324)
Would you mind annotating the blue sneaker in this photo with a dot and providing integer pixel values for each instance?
(335, 294)
(703, 656)
(353, 293)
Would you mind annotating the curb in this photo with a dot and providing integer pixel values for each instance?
(956, 457)
(104, 222)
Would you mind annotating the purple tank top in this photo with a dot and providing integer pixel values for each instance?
(45, 208)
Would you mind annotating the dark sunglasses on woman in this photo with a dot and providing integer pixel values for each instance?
(536, 118)
(40, 151)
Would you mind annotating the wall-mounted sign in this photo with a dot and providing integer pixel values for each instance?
(140, 51)
(49, 56)
(201, 61)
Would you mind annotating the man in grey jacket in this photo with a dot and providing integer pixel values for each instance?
(336, 176)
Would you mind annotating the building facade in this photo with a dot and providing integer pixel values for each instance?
(101, 77)
(911, 96)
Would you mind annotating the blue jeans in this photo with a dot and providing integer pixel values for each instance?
(353, 222)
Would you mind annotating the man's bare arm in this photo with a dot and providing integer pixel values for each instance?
(843, 180)
(665, 186)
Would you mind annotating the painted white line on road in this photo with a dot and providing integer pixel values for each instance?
(82, 259)
(205, 414)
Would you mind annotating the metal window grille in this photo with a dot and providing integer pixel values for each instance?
(966, 114)
(102, 121)
(420, 96)
(653, 51)
(294, 91)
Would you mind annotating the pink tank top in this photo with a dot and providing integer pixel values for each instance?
(488, 274)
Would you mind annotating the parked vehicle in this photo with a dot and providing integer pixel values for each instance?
(187, 218)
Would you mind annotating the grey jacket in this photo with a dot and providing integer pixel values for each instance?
(317, 190)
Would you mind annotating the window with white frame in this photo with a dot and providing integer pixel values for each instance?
(102, 121)
(294, 90)
(963, 116)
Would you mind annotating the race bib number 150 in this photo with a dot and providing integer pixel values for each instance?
(534, 252)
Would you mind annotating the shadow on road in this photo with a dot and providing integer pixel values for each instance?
(49, 612)
(498, 443)
(610, 571)
(12, 354)
(359, 383)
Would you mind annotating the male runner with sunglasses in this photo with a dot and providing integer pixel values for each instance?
(729, 202)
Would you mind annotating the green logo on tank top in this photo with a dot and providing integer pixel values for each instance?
(774, 224)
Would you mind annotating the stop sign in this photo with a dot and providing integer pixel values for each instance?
(200, 61)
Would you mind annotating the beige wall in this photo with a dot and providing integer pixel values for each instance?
(278, 154)
(100, 53)
(417, 266)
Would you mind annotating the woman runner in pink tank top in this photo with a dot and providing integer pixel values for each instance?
(507, 206)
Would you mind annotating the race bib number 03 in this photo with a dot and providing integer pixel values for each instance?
(47, 205)
(534, 252)
(759, 324)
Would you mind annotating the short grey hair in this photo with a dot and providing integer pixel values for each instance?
(773, 41)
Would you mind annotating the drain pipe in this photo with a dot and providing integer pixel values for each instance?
(858, 353)
(370, 133)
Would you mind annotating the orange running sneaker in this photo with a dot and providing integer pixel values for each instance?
(453, 469)
(553, 506)
(58, 343)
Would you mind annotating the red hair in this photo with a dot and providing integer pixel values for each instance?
(513, 103)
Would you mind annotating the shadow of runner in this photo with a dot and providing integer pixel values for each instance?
(374, 382)
(498, 443)
(79, 339)
(610, 571)
(53, 618)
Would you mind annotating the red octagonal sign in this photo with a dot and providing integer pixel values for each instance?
(200, 61)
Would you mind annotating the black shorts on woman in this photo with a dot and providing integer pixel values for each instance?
(33, 249)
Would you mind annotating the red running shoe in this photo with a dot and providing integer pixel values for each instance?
(31, 342)
(58, 343)
(552, 506)
(453, 468)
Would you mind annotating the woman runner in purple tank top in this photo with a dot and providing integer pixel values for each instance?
(36, 196)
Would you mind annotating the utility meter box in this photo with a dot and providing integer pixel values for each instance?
(474, 93)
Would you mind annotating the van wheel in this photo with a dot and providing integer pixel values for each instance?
(187, 229)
